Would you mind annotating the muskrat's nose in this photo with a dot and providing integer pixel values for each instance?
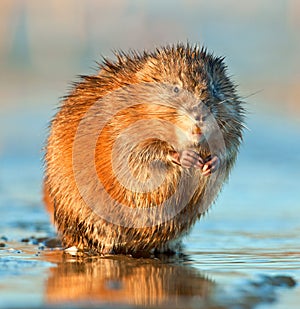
(200, 112)
(196, 130)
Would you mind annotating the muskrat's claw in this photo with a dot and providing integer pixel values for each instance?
(211, 164)
(188, 159)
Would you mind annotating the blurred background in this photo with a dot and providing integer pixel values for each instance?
(44, 45)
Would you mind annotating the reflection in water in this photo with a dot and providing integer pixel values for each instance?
(116, 281)
(124, 280)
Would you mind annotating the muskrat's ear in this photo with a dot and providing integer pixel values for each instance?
(215, 88)
(219, 83)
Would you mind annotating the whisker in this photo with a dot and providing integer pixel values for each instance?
(252, 94)
(227, 100)
(222, 102)
(242, 98)
(241, 124)
(229, 125)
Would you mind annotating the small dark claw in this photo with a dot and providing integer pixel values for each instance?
(189, 158)
(212, 163)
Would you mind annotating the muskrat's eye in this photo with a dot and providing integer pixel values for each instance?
(176, 89)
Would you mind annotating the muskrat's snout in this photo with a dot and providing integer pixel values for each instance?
(200, 116)
(200, 113)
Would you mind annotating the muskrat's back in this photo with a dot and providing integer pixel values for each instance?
(138, 152)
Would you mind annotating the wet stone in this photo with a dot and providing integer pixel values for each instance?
(31, 240)
(52, 243)
(280, 281)
(14, 251)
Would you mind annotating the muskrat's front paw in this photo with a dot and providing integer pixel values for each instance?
(188, 159)
(211, 164)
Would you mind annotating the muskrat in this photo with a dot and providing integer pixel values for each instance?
(139, 151)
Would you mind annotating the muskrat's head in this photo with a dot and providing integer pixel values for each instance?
(198, 86)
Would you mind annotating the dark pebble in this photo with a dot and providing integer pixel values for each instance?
(281, 281)
(285, 281)
(52, 243)
(31, 240)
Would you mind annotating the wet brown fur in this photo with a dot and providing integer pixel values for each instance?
(193, 70)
